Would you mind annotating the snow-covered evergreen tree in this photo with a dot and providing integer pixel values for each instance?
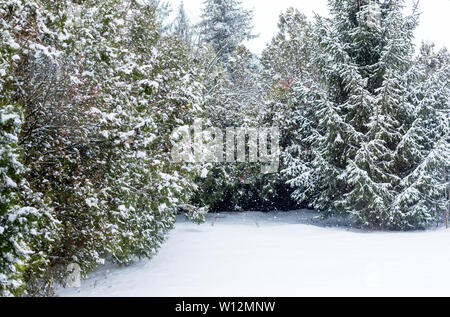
(293, 88)
(165, 93)
(26, 223)
(362, 148)
(101, 90)
(233, 99)
(225, 25)
(287, 69)
(182, 27)
(423, 153)
(125, 194)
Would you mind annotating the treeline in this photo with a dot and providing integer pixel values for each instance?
(364, 119)
(91, 92)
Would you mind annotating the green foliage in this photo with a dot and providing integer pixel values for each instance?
(86, 171)
(361, 117)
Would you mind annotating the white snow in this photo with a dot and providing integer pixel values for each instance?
(281, 254)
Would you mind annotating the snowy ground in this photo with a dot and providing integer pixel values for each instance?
(281, 254)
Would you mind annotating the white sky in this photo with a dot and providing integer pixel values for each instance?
(434, 23)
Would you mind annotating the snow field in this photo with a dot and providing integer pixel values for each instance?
(281, 254)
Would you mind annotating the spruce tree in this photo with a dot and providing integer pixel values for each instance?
(287, 70)
(182, 28)
(232, 101)
(225, 25)
(362, 146)
(423, 151)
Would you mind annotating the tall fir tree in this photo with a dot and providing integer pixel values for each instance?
(362, 151)
(423, 152)
(225, 25)
(182, 27)
(288, 68)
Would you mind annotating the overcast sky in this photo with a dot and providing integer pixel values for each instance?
(434, 23)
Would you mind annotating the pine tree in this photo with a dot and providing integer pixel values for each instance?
(288, 71)
(225, 25)
(363, 148)
(234, 99)
(287, 58)
(375, 172)
(182, 28)
(424, 149)
(323, 138)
